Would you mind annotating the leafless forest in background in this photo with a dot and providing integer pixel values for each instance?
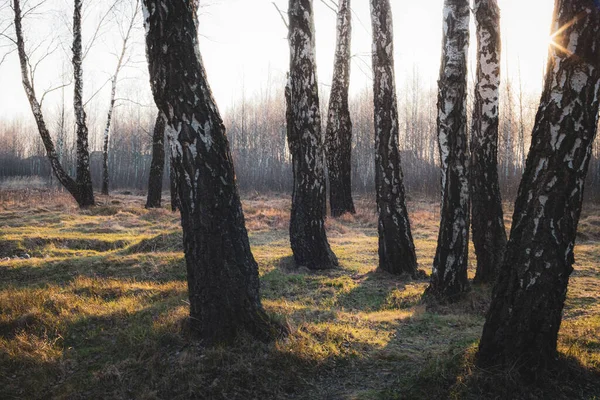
(257, 132)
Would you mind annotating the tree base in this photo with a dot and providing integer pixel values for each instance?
(260, 326)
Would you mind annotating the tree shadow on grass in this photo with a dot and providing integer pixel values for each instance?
(134, 354)
(376, 291)
(567, 379)
(141, 268)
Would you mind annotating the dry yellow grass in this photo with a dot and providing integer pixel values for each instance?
(99, 309)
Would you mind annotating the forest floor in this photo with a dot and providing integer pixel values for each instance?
(93, 304)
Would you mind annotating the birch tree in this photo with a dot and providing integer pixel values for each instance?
(449, 272)
(121, 62)
(525, 314)
(307, 224)
(489, 235)
(155, 177)
(80, 187)
(84, 177)
(222, 274)
(338, 135)
(396, 248)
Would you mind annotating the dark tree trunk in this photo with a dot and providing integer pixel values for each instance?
(222, 273)
(396, 247)
(307, 224)
(173, 187)
(487, 218)
(82, 193)
(84, 177)
(338, 135)
(525, 315)
(157, 165)
(449, 273)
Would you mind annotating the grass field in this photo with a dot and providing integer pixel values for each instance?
(93, 305)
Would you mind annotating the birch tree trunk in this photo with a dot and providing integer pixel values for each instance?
(489, 234)
(307, 224)
(396, 247)
(157, 164)
(338, 135)
(82, 194)
(222, 274)
(113, 93)
(84, 178)
(526, 310)
(449, 273)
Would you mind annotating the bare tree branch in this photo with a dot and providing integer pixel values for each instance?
(48, 91)
(281, 15)
(329, 6)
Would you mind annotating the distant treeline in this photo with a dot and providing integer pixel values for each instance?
(257, 133)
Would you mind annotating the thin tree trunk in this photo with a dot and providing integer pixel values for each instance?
(84, 177)
(338, 135)
(489, 234)
(81, 197)
(396, 248)
(157, 165)
(449, 273)
(222, 274)
(526, 310)
(113, 93)
(307, 224)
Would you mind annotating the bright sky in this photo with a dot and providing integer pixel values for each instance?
(245, 39)
(244, 44)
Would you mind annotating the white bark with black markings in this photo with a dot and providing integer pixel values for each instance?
(222, 274)
(84, 177)
(449, 272)
(522, 325)
(338, 135)
(113, 94)
(396, 248)
(307, 223)
(487, 218)
(81, 187)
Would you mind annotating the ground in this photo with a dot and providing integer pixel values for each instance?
(93, 304)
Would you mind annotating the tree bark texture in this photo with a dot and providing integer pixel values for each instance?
(73, 187)
(157, 165)
(449, 272)
(307, 224)
(338, 135)
(222, 274)
(396, 247)
(526, 310)
(487, 218)
(84, 177)
(173, 187)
